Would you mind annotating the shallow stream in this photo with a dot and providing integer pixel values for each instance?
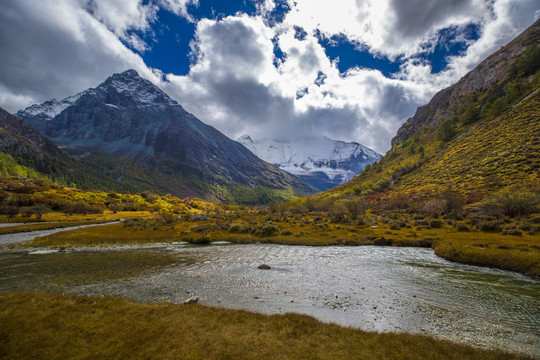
(367, 287)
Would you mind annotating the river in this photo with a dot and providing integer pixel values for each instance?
(367, 287)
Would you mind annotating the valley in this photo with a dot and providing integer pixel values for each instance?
(120, 211)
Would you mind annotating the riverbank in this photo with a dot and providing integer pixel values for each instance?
(508, 252)
(42, 326)
(60, 220)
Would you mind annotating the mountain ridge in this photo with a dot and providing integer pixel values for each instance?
(143, 137)
(320, 161)
(490, 71)
(471, 140)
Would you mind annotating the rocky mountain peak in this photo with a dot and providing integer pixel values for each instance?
(138, 125)
(129, 89)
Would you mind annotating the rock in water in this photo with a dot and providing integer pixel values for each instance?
(191, 300)
(264, 267)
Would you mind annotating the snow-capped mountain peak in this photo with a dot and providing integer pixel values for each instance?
(142, 91)
(128, 85)
(320, 161)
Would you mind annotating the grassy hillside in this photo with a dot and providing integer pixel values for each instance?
(488, 141)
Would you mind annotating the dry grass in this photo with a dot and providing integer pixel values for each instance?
(47, 226)
(44, 326)
(516, 253)
(113, 234)
(106, 215)
(57, 220)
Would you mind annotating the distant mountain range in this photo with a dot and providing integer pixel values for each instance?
(134, 133)
(321, 162)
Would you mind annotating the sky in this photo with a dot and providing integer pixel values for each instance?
(352, 70)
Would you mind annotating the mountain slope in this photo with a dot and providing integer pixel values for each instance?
(141, 137)
(25, 151)
(475, 138)
(321, 162)
(492, 73)
(17, 138)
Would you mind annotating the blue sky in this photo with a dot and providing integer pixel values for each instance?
(352, 70)
(170, 37)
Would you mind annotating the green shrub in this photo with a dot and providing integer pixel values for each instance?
(527, 63)
(394, 226)
(516, 201)
(463, 227)
(203, 240)
(436, 224)
(201, 228)
(267, 229)
(512, 231)
(240, 228)
(446, 131)
(490, 226)
(472, 114)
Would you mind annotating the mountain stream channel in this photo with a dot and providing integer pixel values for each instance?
(384, 289)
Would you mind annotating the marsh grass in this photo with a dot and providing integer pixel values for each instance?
(53, 272)
(47, 226)
(44, 326)
(521, 254)
(516, 253)
(61, 220)
(113, 234)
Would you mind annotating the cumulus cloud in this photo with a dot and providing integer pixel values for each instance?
(235, 86)
(120, 16)
(125, 17)
(251, 96)
(386, 27)
(55, 48)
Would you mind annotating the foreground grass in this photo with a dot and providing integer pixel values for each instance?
(515, 253)
(45, 326)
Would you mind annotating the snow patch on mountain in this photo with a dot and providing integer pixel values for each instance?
(141, 90)
(49, 109)
(314, 157)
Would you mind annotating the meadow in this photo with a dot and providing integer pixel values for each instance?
(46, 326)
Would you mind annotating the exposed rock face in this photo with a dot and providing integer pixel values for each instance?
(489, 72)
(138, 124)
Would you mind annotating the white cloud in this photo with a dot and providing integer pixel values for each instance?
(122, 15)
(387, 27)
(55, 48)
(235, 87)
(179, 7)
